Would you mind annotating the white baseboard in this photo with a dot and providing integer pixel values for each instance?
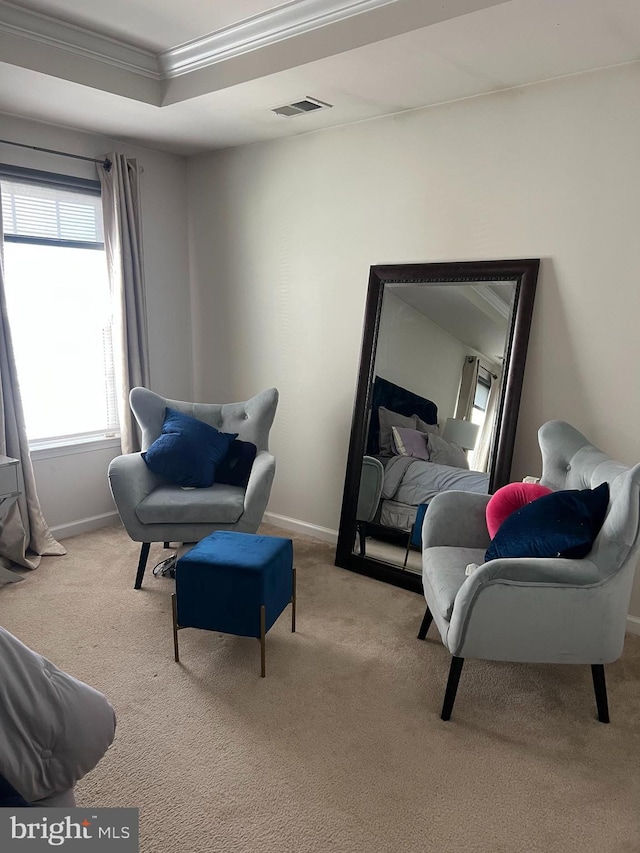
(85, 525)
(325, 534)
(108, 519)
(633, 625)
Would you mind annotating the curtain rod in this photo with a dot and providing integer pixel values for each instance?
(106, 163)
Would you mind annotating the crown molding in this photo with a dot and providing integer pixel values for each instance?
(494, 301)
(291, 19)
(80, 41)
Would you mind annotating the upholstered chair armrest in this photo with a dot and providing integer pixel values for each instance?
(258, 489)
(88, 731)
(514, 609)
(55, 729)
(530, 570)
(457, 519)
(131, 481)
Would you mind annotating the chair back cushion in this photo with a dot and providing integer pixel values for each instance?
(250, 420)
(570, 461)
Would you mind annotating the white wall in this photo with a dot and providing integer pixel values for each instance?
(164, 221)
(284, 233)
(419, 355)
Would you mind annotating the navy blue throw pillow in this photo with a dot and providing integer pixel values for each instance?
(235, 468)
(562, 524)
(9, 797)
(187, 451)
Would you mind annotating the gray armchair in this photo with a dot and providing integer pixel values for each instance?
(55, 729)
(552, 610)
(153, 510)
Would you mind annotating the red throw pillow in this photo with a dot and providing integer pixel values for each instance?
(510, 498)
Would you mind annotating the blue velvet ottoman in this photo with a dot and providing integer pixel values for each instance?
(235, 583)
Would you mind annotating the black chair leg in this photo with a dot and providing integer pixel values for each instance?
(167, 544)
(452, 687)
(362, 533)
(142, 564)
(600, 688)
(426, 621)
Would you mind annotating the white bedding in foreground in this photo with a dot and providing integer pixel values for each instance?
(413, 481)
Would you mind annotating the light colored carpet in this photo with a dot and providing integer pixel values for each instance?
(340, 748)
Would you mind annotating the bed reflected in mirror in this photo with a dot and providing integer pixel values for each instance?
(436, 407)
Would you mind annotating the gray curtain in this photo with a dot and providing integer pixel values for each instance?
(24, 534)
(467, 392)
(123, 246)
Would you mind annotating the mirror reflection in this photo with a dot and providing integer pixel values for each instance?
(433, 406)
(436, 406)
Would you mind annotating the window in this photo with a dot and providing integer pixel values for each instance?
(59, 304)
(481, 398)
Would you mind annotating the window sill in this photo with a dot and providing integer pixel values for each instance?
(73, 446)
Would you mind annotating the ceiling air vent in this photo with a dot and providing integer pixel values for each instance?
(306, 105)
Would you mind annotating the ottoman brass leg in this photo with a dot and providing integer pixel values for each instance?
(174, 608)
(293, 602)
(262, 641)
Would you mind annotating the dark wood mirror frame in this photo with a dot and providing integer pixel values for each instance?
(524, 274)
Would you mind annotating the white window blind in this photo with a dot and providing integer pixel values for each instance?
(50, 213)
(60, 309)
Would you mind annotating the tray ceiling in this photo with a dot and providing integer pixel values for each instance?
(191, 76)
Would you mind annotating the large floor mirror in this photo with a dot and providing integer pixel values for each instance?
(436, 407)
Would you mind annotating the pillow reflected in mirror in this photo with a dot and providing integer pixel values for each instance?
(389, 419)
(423, 426)
(410, 442)
(443, 453)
